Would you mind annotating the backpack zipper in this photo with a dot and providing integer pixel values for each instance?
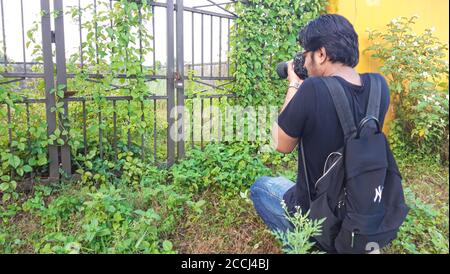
(315, 186)
(353, 239)
(354, 232)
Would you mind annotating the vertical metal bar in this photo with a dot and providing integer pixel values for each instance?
(9, 128)
(49, 85)
(202, 44)
(170, 81)
(81, 36)
(28, 125)
(95, 33)
(153, 40)
(193, 44)
(115, 130)
(111, 22)
(23, 39)
(228, 51)
(154, 129)
(210, 118)
(140, 39)
(12, 174)
(235, 31)
(211, 50)
(100, 132)
(61, 79)
(180, 79)
(192, 124)
(84, 127)
(201, 124)
(143, 134)
(5, 59)
(111, 25)
(219, 135)
(220, 46)
(129, 123)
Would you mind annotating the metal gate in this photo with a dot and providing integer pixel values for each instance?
(55, 73)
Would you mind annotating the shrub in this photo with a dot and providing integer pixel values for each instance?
(232, 168)
(418, 80)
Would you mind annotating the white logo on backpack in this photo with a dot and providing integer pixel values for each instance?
(378, 192)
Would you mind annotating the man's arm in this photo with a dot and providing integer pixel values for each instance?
(283, 142)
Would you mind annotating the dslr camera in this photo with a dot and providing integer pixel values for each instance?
(299, 62)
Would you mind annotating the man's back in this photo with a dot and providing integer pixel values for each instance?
(312, 118)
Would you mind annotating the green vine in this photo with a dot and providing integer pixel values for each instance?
(265, 34)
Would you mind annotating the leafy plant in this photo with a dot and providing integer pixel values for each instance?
(425, 229)
(265, 34)
(298, 240)
(231, 168)
(418, 79)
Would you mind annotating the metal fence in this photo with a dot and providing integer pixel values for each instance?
(179, 17)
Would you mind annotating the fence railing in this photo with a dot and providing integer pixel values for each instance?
(202, 72)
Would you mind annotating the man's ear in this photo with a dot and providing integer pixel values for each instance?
(322, 54)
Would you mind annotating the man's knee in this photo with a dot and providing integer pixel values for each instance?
(258, 185)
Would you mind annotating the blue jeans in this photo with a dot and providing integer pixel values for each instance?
(267, 194)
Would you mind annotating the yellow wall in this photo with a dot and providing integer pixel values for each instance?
(376, 14)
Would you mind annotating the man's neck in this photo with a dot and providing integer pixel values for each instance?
(346, 72)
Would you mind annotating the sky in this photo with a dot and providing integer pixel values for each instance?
(12, 19)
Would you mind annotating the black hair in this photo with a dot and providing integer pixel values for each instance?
(336, 34)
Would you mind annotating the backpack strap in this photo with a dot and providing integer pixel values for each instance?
(373, 106)
(302, 150)
(342, 106)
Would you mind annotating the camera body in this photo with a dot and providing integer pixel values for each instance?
(299, 62)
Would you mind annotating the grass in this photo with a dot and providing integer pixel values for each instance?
(217, 222)
(227, 225)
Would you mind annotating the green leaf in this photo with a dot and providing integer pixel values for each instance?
(6, 197)
(88, 164)
(4, 187)
(167, 245)
(32, 161)
(42, 160)
(19, 171)
(14, 161)
(27, 168)
(21, 146)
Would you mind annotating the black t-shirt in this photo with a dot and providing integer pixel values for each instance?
(311, 116)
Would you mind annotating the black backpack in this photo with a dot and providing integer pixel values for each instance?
(360, 192)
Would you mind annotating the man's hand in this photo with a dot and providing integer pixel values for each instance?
(292, 76)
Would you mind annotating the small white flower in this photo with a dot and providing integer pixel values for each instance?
(401, 43)
(415, 44)
(437, 103)
(433, 29)
(420, 58)
(425, 74)
(394, 21)
(393, 58)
